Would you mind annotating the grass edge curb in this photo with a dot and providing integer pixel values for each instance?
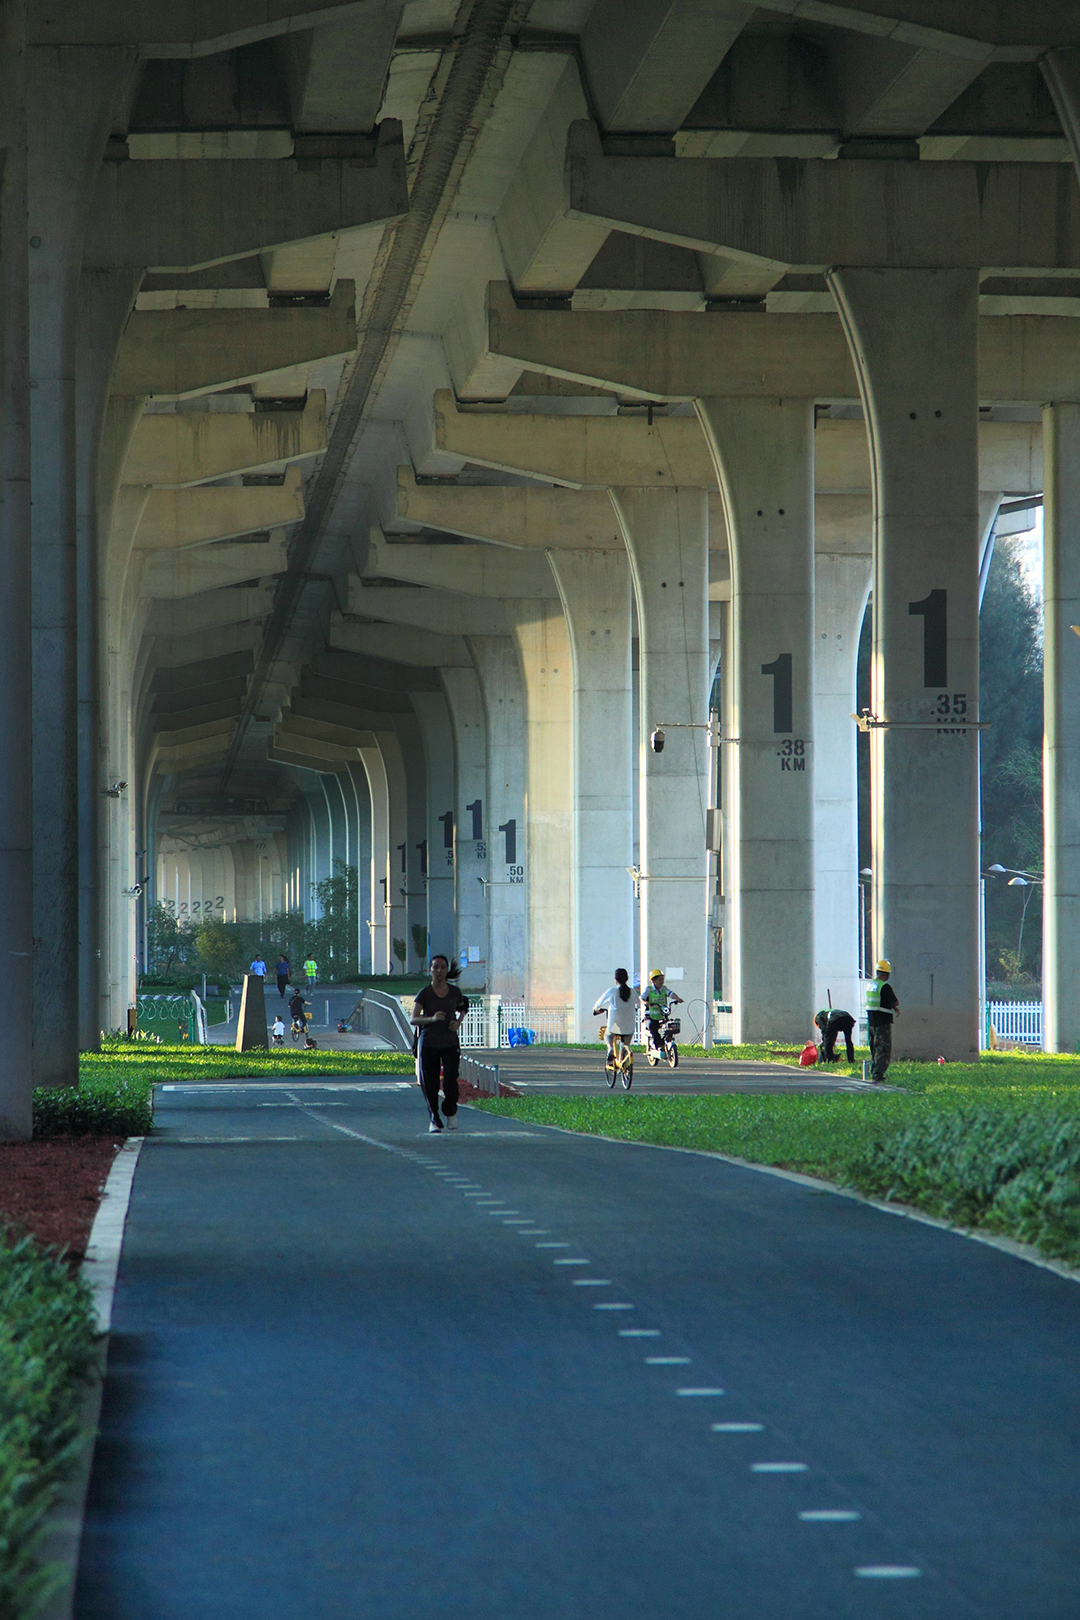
(1007, 1245)
(62, 1539)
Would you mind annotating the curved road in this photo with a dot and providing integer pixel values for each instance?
(361, 1373)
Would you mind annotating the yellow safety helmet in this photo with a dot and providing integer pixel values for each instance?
(883, 967)
(657, 973)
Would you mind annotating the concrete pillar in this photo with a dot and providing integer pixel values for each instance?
(763, 449)
(913, 338)
(841, 587)
(595, 591)
(466, 839)
(16, 898)
(105, 300)
(1061, 749)
(666, 534)
(499, 674)
(412, 890)
(356, 787)
(543, 647)
(71, 98)
(724, 770)
(379, 869)
(436, 873)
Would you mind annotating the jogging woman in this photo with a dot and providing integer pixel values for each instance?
(621, 1008)
(438, 1013)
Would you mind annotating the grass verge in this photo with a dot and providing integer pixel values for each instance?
(994, 1145)
(47, 1345)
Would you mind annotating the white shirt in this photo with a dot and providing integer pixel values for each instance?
(621, 1014)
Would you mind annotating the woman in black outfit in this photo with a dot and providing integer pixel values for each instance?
(283, 972)
(438, 1013)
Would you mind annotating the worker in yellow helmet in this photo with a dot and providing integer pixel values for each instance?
(655, 1003)
(881, 1008)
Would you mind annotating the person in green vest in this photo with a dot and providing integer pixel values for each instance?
(311, 968)
(881, 1008)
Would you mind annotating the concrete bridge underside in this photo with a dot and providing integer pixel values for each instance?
(409, 407)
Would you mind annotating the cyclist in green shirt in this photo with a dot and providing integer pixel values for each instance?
(656, 1000)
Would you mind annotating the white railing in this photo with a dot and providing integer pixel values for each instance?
(1019, 1021)
(474, 1031)
(547, 1025)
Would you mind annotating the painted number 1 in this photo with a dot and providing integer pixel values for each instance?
(934, 611)
(780, 670)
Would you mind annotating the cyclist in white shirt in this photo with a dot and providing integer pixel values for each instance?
(621, 1007)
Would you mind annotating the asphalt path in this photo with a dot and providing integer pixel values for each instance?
(505, 1373)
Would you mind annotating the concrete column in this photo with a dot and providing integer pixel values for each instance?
(463, 847)
(499, 674)
(727, 730)
(543, 647)
(105, 300)
(379, 869)
(595, 591)
(71, 97)
(667, 538)
(414, 767)
(16, 897)
(841, 587)
(913, 338)
(437, 875)
(1061, 751)
(358, 791)
(763, 449)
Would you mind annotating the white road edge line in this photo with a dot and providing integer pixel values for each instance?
(64, 1524)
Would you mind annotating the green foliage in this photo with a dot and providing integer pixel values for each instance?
(126, 1063)
(219, 950)
(47, 1351)
(332, 940)
(170, 944)
(111, 1099)
(994, 1145)
(420, 943)
(401, 951)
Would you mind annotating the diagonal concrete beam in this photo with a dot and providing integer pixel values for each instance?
(806, 216)
(442, 611)
(197, 731)
(672, 355)
(183, 28)
(208, 568)
(561, 518)
(888, 87)
(168, 216)
(174, 651)
(309, 759)
(648, 63)
(171, 451)
(486, 571)
(178, 353)
(424, 649)
(212, 610)
(175, 518)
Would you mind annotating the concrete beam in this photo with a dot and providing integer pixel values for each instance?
(175, 518)
(1008, 33)
(293, 725)
(671, 355)
(197, 731)
(806, 216)
(649, 62)
(172, 451)
(308, 761)
(174, 651)
(169, 216)
(888, 87)
(215, 715)
(311, 750)
(442, 611)
(564, 519)
(185, 28)
(485, 571)
(168, 761)
(421, 648)
(209, 568)
(336, 73)
(178, 353)
(211, 610)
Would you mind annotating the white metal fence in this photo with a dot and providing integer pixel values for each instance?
(1019, 1021)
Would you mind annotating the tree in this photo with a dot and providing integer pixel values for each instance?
(333, 939)
(219, 949)
(420, 940)
(168, 942)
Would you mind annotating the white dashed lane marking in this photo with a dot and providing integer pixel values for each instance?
(699, 1392)
(830, 1515)
(591, 1282)
(639, 1333)
(737, 1428)
(608, 1305)
(888, 1572)
(554, 1245)
(667, 1361)
(565, 1260)
(778, 1468)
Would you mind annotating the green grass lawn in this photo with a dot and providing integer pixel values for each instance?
(994, 1144)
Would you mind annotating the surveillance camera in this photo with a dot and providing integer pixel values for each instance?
(657, 740)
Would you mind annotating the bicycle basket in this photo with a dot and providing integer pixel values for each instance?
(673, 1026)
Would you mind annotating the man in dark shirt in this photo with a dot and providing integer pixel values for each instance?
(881, 1008)
(834, 1022)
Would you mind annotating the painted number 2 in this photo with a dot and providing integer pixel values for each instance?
(934, 612)
(780, 670)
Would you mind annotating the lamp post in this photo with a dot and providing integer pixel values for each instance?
(1018, 879)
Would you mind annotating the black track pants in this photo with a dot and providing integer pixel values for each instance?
(440, 1063)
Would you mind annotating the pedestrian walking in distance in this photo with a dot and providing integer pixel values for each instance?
(258, 967)
(311, 970)
(834, 1022)
(881, 1008)
(438, 1013)
(282, 970)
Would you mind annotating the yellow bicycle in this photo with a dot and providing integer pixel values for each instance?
(620, 1063)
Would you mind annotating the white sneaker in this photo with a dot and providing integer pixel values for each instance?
(434, 1130)
(451, 1122)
